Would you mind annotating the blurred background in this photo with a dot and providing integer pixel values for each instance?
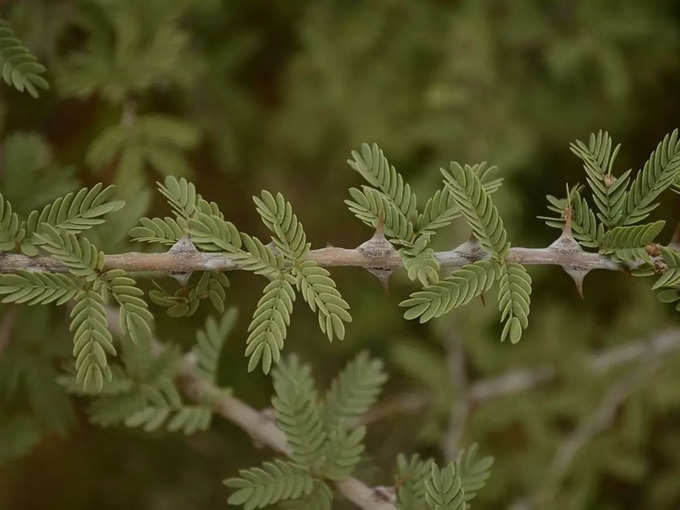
(274, 94)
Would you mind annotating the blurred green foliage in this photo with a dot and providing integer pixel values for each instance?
(243, 95)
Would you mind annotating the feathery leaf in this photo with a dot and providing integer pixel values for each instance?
(271, 318)
(479, 211)
(455, 290)
(298, 412)
(514, 298)
(34, 288)
(319, 291)
(91, 340)
(20, 68)
(209, 342)
(273, 482)
(661, 170)
(353, 391)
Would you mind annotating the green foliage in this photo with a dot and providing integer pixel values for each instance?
(455, 290)
(620, 206)
(660, 172)
(20, 68)
(10, 228)
(299, 413)
(628, 243)
(134, 316)
(343, 452)
(79, 255)
(479, 211)
(609, 191)
(91, 340)
(155, 140)
(584, 225)
(319, 291)
(129, 48)
(273, 482)
(209, 343)
(373, 166)
(441, 209)
(473, 472)
(162, 407)
(320, 498)
(38, 288)
(410, 480)
(277, 214)
(514, 297)
(421, 484)
(186, 299)
(353, 391)
(323, 439)
(271, 318)
(444, 488)
(165, 231)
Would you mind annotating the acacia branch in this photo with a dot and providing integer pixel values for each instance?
(370, 255)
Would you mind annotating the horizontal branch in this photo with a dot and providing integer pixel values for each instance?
(373, 254)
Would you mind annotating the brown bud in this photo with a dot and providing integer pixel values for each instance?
(652, 250)
(609, 180)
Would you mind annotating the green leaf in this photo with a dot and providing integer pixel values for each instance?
(271, 318)
(81, 257)
(11, 231)
(370, 205)
(479, 211)
(514, 299)
(34, 288)
(609, 192)
(661, 170)
(209, 342)
(444, 488)
(411, 476)
(473, 472)
(671, 275)
(421, 265)
(298, 412)
(277, 214)
(76, 212)
(373, 166)
(455, 290)
(163, 407)
(319, 291)
(20, 68)
(637, 236)
(91, 340)
(320, 498)
(134, 315)
(166, 231)
(353, 391)
(441, 209)
(343, 452)
(273, 482)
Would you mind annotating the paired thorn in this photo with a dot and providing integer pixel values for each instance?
(567, 244)
(182, 247)
(379, 247)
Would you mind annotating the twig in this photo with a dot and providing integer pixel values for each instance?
(460, 406)
(517, 381)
